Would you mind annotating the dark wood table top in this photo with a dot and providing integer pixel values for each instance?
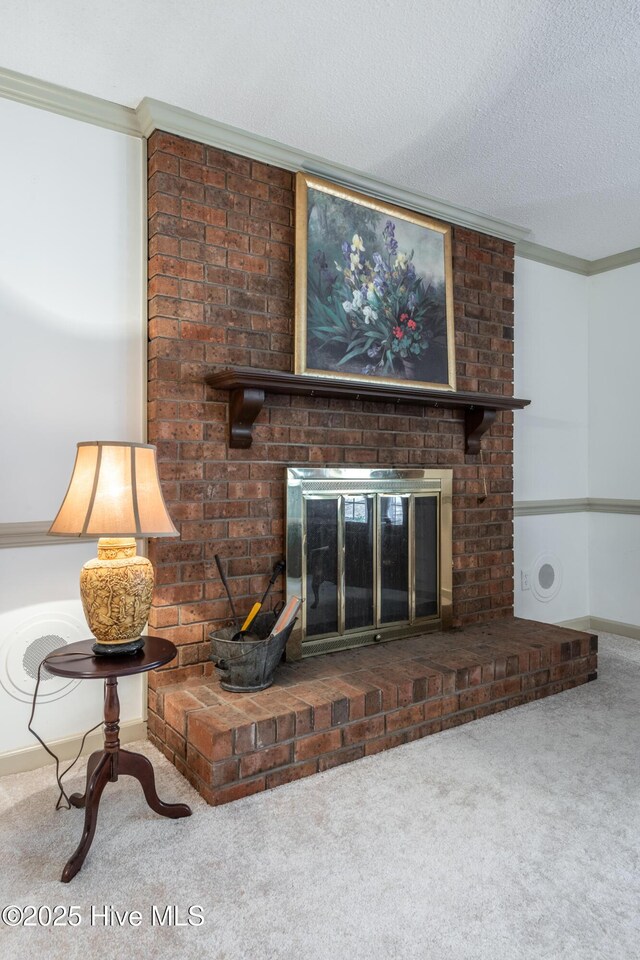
(156, 652)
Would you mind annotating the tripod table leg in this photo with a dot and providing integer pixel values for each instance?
(79, 799)
(99, 778)
(135, 765)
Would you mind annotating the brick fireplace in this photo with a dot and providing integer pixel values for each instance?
(221, 273)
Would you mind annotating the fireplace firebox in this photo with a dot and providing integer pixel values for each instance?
(369, 552)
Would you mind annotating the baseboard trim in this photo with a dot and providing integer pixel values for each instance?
(579, 623)
(30, 758)
(602, 625)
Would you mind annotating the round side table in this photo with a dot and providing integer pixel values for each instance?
(107, 765)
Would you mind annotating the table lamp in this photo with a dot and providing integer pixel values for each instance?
(114, 494)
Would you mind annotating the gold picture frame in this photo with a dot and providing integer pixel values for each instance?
(374, 290)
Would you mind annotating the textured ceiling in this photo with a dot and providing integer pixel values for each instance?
(527, 110)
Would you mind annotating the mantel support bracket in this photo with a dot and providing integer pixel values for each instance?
(477, 420)
(247, 388)
(246, 403)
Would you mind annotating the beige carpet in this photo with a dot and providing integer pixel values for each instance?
(514, 837)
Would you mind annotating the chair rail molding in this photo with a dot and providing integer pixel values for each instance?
(29, 533)
(540, 508)
(34, 533)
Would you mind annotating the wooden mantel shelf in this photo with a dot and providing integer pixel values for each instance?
(248, 388)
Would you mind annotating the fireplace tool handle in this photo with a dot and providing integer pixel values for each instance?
(257, 607)
(226, 587)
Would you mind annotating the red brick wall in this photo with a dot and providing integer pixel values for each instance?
(221, 255)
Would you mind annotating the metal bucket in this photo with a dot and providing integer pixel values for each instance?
(247, 665)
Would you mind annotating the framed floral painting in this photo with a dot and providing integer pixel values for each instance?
(374, 289)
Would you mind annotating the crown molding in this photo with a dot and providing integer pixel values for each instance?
(68, 103)
(155, 115)
(552, 258)
(565, 261)
(615, 261)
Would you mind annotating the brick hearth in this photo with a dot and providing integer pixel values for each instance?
(329, 710)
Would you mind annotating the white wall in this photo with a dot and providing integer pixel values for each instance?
(614, 567)
(614, 452)
(70, 299)
(551, 350)
(577, 350)
(563, 541)
(614, 379)
(551, 436)
(73, 348)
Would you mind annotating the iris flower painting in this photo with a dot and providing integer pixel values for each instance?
(373, 289)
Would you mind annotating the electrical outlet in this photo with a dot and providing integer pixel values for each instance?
(524, 580)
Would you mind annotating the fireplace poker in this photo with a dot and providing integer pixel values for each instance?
(255, 609)
(484, 479)
(226, 587)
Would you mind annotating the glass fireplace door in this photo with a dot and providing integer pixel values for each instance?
(394, 599)
(364, 551)
(371, 560)
(359, 561)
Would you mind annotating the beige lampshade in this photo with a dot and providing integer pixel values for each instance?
(114, 492)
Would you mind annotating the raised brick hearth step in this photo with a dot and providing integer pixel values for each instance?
(332, 709)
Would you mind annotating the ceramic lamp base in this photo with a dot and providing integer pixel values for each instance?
(116, 590)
